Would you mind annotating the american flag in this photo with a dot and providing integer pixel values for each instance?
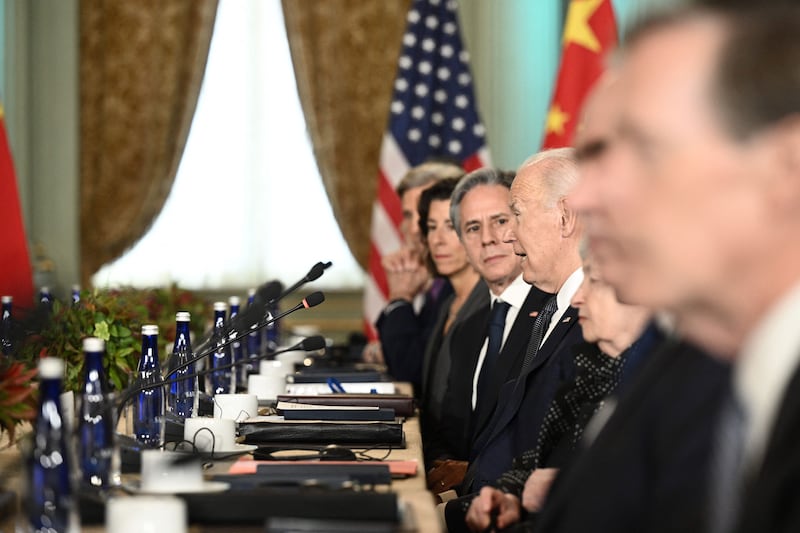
(433, 114)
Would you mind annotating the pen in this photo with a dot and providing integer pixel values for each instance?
(335, 385)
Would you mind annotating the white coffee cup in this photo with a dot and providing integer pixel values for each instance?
(237, 406)
(164, 472)
(292, 358)
(146, 514)
(266, 387)
(272, 368)
(211, 434)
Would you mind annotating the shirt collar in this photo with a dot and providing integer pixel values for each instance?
(568, 290)
(768, 360)
(514, 294)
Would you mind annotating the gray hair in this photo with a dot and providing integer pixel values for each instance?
(427, 173)
(482, 176)
(559, 172)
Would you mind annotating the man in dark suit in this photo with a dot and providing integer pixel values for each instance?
(695, 211)
(546, 235)
(479, 209)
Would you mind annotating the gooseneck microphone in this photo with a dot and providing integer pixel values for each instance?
(249, 316)
(313, 274)
(312, 300)
(309, 344)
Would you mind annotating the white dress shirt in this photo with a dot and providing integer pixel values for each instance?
(767, 362)
(564, 299)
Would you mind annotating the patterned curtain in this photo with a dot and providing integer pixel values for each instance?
(141, 66)
(345, 56)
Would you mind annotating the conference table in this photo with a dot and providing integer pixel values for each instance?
(420, 513)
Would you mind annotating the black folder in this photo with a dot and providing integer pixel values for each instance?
(255, 506)
(300, 432)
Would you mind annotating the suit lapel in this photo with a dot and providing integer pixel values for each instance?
(552, 343)
(511, 356)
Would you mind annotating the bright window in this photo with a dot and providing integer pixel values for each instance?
(248, 204)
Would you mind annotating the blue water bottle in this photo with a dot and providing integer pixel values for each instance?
(97, 454)
(237, 349)
(220, 382)
(183, 392)
(254, 338)
(6, 337)
(46, 297)
(273, 329)
(51, 505)
(148, 409)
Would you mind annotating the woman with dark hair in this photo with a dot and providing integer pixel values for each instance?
(448, 259)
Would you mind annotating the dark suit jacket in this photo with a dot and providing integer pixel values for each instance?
(404, 335)
(772, 497)
(437, 360)
(646, 471)
(456, 431)
(522, 404)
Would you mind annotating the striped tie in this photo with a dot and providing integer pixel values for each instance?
(537, 334)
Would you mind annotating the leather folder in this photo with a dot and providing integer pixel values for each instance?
(271, 474)
(344, 377)
(402, 404)
(322, 432)
(378, 415)
(255, 506)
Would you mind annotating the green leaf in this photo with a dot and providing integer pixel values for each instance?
(101, 330)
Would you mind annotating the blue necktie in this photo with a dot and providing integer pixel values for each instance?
(537, 334)
(497, 323)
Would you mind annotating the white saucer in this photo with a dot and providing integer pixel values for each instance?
(134, 487)
(239, 449)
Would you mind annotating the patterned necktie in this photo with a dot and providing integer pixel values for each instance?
(727, 466)
(497, 324)
(537, 334)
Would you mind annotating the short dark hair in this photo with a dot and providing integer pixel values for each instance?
(756, 83)
(482, 176)
(441, 190)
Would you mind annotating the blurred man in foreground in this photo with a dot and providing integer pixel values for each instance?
(698, 214)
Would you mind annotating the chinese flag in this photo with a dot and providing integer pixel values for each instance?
(16, 278)
(589, 33)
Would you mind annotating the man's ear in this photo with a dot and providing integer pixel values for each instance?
(782, 146)
(569, 218)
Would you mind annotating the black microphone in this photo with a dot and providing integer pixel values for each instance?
(249, 316)
(312, 300)
(309, 344)
(313, 274)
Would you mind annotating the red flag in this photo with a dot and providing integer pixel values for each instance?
(590, 31)
(16, 278)
(433, 113)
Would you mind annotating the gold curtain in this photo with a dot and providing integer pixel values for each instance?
(141, 66)
(345, 56)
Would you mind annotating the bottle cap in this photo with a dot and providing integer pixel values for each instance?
(150, 329)
(51, 368)
(251, 292)
(220, 306)
(234, 300)
(7, 299)
(183, 316)
(45, 289)
(93, 344)
(76, 287)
